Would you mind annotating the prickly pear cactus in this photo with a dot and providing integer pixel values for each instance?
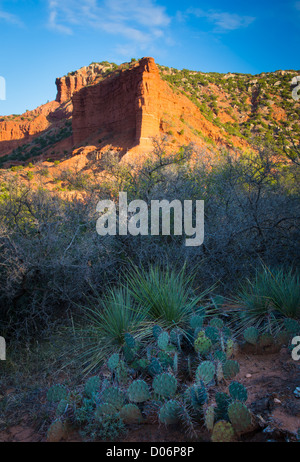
(129, 354)
(219, 355)
(105, 409)
(121, 373)
(219, 371)
(202, 344)
(217, 322)
(209, 418)
(62, 407)
(230, 346)
(175, 337)
(206, 372)
(165, 359)
(222, 401)
(230, 369)
(169, 413)
(238, 392)
(114, 396)
(138, 391)
(92, 386)
(196, 321)
(163, 340)
(56, 393)
(222, 432)
(56, 431)
(175, 363)
(156, 331)
(196, 396)
(165, 385)
(212, 333)
(113, 361)
(239, 416)
(154, 367)
(131, 414)
(251, 335)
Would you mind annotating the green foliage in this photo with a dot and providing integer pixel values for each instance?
(272, 291)
(166, 294)
(110, 318)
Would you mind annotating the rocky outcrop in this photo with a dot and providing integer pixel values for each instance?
(74, 81)
(124, 107)
(132, 107)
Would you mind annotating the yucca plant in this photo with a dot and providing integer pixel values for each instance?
(267, 299)
(108, 318)
(167, 295)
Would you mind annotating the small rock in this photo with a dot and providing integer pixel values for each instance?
(248, 376)
(276, 400)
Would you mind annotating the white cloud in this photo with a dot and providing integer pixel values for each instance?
(139, 21)
(10, 18)
(222, 21)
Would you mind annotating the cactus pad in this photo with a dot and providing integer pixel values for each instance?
(222, 432)
(238, 392)
(138, 391)
(169, 413)
(130, 414)
(251, 335)
(230, 369)
(239, 416)
(205, 371)
(165, 385)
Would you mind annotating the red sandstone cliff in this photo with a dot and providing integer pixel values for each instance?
(132, 107)
(124, 107)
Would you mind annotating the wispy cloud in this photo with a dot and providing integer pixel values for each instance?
(10, 18)
(139, 21)
(222, 21)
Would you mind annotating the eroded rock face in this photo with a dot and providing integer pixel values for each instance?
(74, 81)
(130, 109)
(122, 107)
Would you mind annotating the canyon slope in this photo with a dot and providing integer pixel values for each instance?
(104, 106)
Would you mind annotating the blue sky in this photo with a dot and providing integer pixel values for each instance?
(44, 39)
